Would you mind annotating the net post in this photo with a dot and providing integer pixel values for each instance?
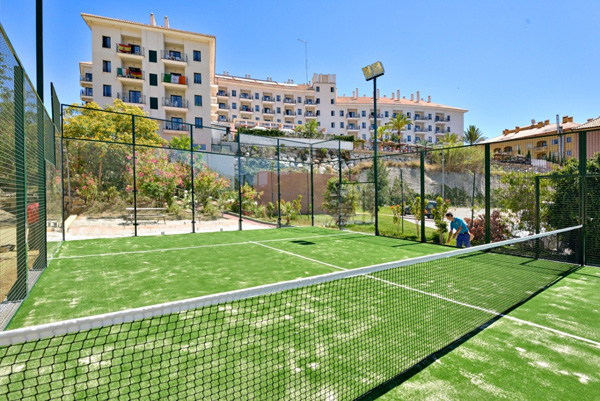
(340, 184)
(583, 195)
(537, 215)
(239, 160)
(278, 186)
(18, 291)
(488, 195)
(192, 179)
(422, 163)
(135, 222)
(312, 187)
(62, 172)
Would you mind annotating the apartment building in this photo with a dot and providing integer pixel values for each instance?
(537, 141)
(170, 74)
(166, 72)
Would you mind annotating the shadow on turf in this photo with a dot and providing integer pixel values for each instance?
(430, 359)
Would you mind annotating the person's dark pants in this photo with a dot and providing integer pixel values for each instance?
(463, 238)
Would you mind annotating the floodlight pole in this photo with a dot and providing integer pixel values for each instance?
(39, 17)
(375, 156)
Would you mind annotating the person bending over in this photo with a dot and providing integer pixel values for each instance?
(459, 228)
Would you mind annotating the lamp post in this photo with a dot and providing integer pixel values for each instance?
(371, 72)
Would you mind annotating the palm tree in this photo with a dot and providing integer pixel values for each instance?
(398, 123)
(309, 129)
(382, 133)
(473, 135)
(450, 139)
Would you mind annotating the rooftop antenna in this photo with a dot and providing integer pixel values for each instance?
(305, 56)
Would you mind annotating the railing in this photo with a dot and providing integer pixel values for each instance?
(126, 73)
(352, 127)
(420, 118)
(267, 99)
(85, 78)
(289, 113)
(181, 103)
(289, 100)
(85, 92)
(245, 96)
(122, 48)
(129, 98)
(175, 126)
(309, 102)
(246, 110)
(177, 79)
(222, 119)
(309, 114)
(378, 115)
(223, 107)
(352, 115)
(268, 111)
(166, 55)
(222, 93)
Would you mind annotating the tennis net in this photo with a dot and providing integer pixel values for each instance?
(337, 336)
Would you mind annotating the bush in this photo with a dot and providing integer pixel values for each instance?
(498, 227)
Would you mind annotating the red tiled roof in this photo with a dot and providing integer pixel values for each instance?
(367, 100)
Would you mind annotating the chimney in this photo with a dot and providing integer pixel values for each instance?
(393, 96)
(166, 21)
(412, 97)
(418, 96)
(356, 92)
(377, 93)
(398, 94)
(429, 99)
(546, 122)
(565, 119)
(152, 19)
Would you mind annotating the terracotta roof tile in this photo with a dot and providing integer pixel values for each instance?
(592, 123)
(367, 100)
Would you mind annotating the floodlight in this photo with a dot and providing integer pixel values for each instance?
(373, 71)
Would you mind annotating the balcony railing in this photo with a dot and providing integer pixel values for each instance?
(181, 103)
(378, 115)
(267, 99)
(222, 119)
(222, 93)
(288, 100)
(246, 109)
(86, 78)
(268, 111)
(309, 114)
(420, 118)
(174, 79)
(352, 127)
(245, 96)
(167, 55)
(86, 92)
(129, 49)
(289, 113)
(223, 107)
(131, 74)
(175, 126)
(352, 115)
(132, 98)
(309, 102)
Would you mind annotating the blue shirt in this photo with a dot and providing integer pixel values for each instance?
(459, 223)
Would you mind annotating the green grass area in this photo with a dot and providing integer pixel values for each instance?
(512, 360)
(335, 340)
(149, 270)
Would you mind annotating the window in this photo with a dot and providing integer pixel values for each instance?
(197, 100)
(318, 123)
(555, 142)
(318, 101)
(318, 89)
(364, 125)
(299, 112)
(198, 122)
(408, 115)
(256, 96)
(105, 66)
(257, 108)
(89, 92)
(278, 98)
(152, 57)
(153, 79)
(332, 101)
(332, 89)
(135, 97)
(569, 153)
(233, 106)
(279, 110)
(106, 42)
(107, 91)
(408, 138)
(176, 123)
(154, 103)
(332, 113)
(386, 114)
(429, 116)
(197, 78)
(299, 100)
(234, 93)
(429, 139)
(569, 139)
(408, 127)
(332, 125)
(341, 125)
(429, 128)
(257, 119)
(176, 101)
(197, 55)
(341, 113)
(318, 113)
(363, 113)
(299, 122)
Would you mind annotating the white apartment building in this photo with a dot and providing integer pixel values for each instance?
(166, 72)
(171, 75)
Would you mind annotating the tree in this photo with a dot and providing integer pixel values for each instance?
(310, 129)
(383, 186)
(414, 205)
(450, 139)
(439, 216)
(181, 142)
(398, 123)
(473, 135)
(340, 204)
(382, 133)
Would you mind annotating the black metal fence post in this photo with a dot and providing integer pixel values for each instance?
(340, 183)
(62, 172)
(583, 195)
(488, 194)
(422, 163)
(135, 222)
(192, 179)
(239, 159)
(278, 187)
(312, 188)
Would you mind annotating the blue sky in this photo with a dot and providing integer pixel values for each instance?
(506, 61)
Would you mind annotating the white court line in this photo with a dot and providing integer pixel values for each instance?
(539, 326)
(198, 246)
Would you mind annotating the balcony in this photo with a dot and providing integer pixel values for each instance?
(130, 52)
(289, 100)
(177, 127)
(223, 106)
(309, 102)
(86, 94)
(245, 110)
(85, 80)
(222, 94)
(371, 116)
(268, 99)
(289, 113)
(175, 58)
(222, 119)
(180, 105)
(132, 98)
(352, 127)
(442, 120)
(131, 75)
(419, 118)
(245, 96)
(174, 80)
(268, 111)
(352, 116)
